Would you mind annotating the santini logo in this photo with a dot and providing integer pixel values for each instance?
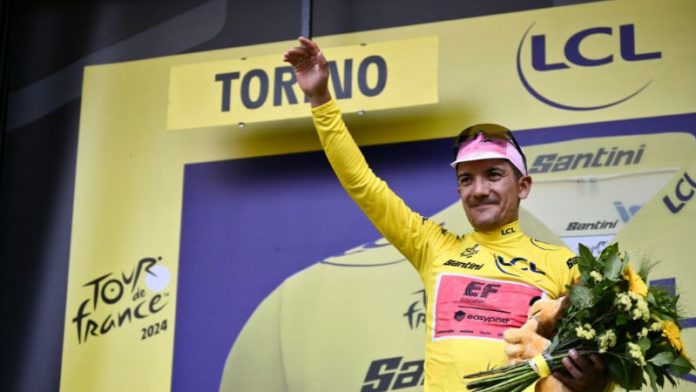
(575, 58)
(603, 157)
(598, 225)
(466, 265)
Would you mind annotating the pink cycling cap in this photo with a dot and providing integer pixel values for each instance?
(485, 147)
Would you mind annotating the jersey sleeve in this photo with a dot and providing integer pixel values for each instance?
(412, 234)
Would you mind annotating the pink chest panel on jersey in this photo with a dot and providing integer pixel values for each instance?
(469, 306)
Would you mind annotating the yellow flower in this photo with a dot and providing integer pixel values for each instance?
(635, 283)
(671, 332)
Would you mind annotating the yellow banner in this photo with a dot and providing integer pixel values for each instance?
(363, 78)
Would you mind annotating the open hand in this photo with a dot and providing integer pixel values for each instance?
(311, 70)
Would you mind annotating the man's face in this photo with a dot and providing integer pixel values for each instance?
(490, 192)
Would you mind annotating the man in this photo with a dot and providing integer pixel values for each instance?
(477, 285)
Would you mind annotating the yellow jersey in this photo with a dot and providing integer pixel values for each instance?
(476, 285)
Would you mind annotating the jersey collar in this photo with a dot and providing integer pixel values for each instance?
(505, 233)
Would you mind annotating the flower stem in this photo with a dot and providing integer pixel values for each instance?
(512, 383)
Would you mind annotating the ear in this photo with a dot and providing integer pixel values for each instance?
(524, 186)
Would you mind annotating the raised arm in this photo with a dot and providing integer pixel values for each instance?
(406, 230)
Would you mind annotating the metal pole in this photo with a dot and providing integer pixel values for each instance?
(306, 19)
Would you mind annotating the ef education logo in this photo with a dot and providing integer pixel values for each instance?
(538, 67)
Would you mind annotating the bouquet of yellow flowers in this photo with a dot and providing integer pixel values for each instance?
(612, 312)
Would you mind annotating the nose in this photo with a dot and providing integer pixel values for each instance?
(480, 188)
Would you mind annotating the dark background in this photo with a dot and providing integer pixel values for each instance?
(45, 46)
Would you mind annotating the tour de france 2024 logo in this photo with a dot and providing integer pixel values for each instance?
(116, 300)
(579, 72)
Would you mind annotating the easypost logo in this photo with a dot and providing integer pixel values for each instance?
(594, 68)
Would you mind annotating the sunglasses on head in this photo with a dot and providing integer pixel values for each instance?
(491, 131)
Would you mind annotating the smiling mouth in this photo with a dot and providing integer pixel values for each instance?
(483, 205)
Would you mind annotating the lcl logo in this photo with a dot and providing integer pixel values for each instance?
(574, 57)
(684, 190)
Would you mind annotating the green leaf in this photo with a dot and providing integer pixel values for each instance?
(621, 319)
(581, 297)
(670, 379)
(661, 379)
(662, 359)
(625, 373)
(644, 344)
(585, 259)
(617, 371)
(613, 266)
(681, 365)
(653, 377)
(554, 343)
(612, 249)
(625, 260)
(651, 298)
(635, 375)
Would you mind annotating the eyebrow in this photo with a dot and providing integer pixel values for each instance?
(500, 167)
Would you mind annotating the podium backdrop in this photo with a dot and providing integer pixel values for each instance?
(211, 247)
